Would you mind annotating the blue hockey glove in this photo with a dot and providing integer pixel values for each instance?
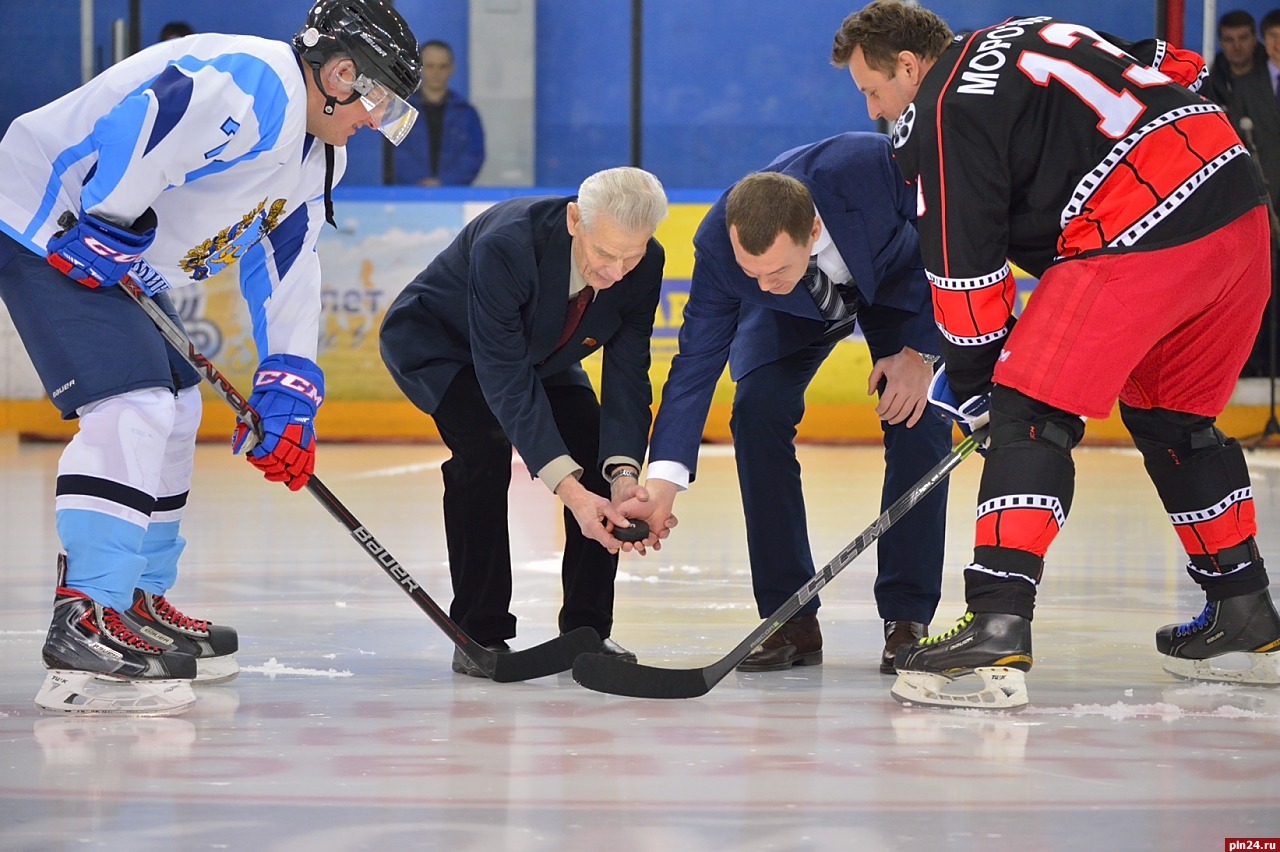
(973, 414)
(96, 253)
(287, 390)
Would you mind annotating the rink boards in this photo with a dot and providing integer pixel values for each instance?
(385, 237)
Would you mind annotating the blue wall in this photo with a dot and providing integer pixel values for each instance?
(726, 85)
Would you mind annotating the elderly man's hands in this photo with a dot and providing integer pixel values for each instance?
(652, 503)
(597, 516)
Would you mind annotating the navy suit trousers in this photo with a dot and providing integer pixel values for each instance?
(476, 479)
(767, 406)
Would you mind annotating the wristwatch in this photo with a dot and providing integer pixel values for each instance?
(620, 470)
(929, 359)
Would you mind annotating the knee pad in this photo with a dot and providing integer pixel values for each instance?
(114, 461)
(179, 455)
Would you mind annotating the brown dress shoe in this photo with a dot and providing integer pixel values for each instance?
(796, 643)
(896, 634)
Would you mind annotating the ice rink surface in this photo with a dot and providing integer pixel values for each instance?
(347, 730)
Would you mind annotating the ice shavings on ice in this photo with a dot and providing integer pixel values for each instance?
(1205, 688)
(1161, 710)
(271, 668)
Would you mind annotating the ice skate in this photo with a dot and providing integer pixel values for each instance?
(995, 647)
(159, 622)
(1236, 640)
(99, 665)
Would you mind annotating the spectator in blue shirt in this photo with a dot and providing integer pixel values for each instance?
(445, 148)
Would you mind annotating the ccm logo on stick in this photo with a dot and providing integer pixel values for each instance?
(387, 561)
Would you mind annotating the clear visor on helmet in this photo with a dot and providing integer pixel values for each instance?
(388, 112)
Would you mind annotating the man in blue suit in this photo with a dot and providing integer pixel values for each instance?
(488, 339)
(786, 261)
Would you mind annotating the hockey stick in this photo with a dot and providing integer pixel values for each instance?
(605, 674)
(549, 658)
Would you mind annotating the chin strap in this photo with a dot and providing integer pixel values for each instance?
(329, 100)
(329, 103)
(328, 185)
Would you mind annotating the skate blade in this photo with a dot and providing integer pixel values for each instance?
(1003, 688)
(211, 670)
(86, 692)
(1236, 667)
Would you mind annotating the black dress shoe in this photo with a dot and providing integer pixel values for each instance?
(897, 634)
(610, 648)
(796, 643)
(462, 664)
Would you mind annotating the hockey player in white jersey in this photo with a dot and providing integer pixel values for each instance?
(187, 158)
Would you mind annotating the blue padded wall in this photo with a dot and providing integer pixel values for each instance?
(726, 85)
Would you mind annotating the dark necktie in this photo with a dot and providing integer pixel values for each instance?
(839, 313)
(577, 307)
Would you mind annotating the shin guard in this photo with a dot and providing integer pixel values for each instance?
(1203, 482)
(1027, 485)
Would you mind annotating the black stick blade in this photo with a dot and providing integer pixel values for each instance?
(616, 677)
(548, 658)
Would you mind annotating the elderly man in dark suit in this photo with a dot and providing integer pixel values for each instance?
(786, 262)
(488, 339)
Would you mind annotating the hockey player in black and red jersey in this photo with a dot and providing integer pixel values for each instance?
(1091, 163)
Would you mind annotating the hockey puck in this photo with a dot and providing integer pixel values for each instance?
(638, 531)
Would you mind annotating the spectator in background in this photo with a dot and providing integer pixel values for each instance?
(1244, 83)
(175, 29)
(446, 148)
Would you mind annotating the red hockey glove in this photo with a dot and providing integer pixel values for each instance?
(287, 390)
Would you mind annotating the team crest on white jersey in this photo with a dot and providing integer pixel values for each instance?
(216, 254)
(903, 126)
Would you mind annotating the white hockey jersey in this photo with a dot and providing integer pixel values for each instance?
(210, 131)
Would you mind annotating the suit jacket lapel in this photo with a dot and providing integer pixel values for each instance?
(849, 233)
(553, 292)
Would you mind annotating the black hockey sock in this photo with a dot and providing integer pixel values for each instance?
(1009, 590)
(1231, 572)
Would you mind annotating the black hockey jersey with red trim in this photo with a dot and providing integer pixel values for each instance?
(1039, 140)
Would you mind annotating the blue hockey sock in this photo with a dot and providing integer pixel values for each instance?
(161, 547)
(104, 558)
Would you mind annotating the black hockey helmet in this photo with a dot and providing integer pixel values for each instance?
(372, 33)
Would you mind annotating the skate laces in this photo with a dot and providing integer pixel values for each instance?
(1198, 623)
(122, 633)
(170, 615)
(956, 628)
